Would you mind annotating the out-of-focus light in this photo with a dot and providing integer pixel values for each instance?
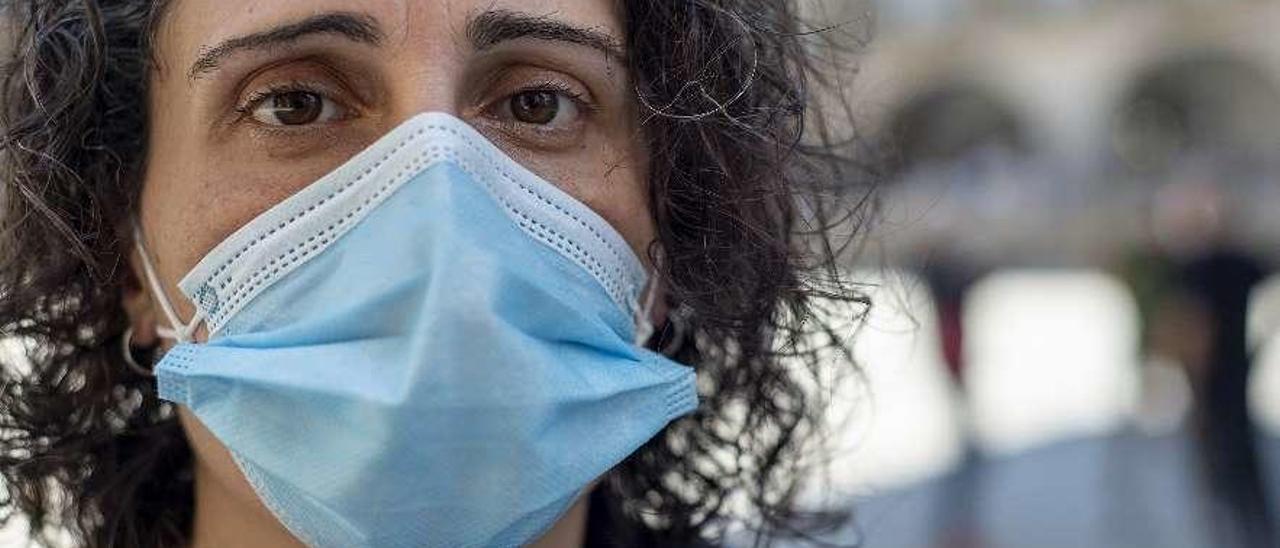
(1053, 356)
(1264, 336)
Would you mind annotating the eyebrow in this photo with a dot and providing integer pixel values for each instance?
(353, 26)
(485, 30)
(491, 27)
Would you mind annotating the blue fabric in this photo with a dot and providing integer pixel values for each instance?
(436, 377)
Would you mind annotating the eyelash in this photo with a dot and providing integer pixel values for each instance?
(255, 99)
(579, 99)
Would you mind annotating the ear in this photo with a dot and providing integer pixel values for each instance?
(139, 305)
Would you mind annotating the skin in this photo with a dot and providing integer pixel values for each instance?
(212, 169)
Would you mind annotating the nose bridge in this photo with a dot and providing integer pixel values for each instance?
(435, 90)
(428, 60)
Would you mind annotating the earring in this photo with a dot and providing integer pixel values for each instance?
(127, 350)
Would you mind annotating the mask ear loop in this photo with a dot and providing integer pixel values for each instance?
(644, 322)
(679, 321)
(176, 330)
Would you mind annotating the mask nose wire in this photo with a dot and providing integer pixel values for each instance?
(176, 331)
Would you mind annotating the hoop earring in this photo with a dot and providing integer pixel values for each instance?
(127, 351)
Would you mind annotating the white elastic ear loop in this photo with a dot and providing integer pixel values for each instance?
(176, 330)
(644, 321)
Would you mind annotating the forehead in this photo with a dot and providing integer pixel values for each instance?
(431, 26)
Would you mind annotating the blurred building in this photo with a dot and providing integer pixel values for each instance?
(1038, 132)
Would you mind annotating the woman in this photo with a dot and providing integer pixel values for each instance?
(409, 273)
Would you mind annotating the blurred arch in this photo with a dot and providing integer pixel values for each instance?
(1202, 105)
(947, 122)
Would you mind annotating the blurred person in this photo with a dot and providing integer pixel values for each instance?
(1149, 272)
(949, 278)
(1203, 323)
(411, 273)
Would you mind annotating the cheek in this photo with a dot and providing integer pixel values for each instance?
(623, 200)
(194, 201)
(621, 195)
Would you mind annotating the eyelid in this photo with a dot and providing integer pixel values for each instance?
(306, 74)
(255, 98)
(508, 83)
(580, 98)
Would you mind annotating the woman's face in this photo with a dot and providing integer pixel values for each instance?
(252, 101)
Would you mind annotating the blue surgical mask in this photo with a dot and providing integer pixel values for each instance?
(430, 346)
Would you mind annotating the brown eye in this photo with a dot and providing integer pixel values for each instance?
(296, 108)
(538, 107)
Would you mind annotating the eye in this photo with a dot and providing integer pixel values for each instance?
(541, 107)
(296, 108)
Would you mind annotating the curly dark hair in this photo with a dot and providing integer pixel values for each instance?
(744, 179)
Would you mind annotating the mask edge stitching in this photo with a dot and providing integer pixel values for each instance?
(343, 187)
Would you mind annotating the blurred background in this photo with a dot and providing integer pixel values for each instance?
(1076, 332)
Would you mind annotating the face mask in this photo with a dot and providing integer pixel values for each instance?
(430, 346)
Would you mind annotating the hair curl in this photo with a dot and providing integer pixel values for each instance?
(740, 190)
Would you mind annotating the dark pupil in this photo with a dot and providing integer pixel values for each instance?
(297, 107)
(535, 107)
